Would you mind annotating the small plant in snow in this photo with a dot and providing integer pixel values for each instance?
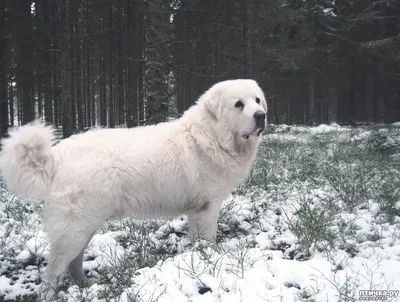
(346, 291)
(312, 225)
(351, 181)
(385, 141)
(239, 258)
(387, 195)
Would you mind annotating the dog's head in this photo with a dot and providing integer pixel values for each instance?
(238, 106)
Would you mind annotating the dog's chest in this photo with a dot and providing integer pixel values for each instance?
(225, 177)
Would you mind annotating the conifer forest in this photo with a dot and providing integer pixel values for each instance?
(123, 63)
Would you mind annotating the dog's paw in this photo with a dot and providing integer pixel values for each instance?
(91, 281)
(46, 293)
(86, 281)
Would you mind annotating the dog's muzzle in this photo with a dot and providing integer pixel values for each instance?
(259, 116)
(260, 121)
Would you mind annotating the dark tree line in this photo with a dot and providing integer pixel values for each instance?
(133, 62)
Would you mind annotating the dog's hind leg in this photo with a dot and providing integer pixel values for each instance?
(65, 248)
(204, 222)
(76, 266)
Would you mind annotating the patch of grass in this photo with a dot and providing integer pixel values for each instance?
(19, 231)
(142, 248)
(350, 183)
(312, 223)
(387, 195)
(384, 140)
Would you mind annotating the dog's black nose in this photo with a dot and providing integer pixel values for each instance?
(259, 116)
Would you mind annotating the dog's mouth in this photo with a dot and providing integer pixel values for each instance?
(257, 132)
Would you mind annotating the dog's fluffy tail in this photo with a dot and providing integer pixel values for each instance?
(26, 160)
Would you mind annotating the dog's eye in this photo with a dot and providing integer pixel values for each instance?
(258, 101)
(239, 104)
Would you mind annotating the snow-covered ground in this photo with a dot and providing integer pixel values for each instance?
(318, 220)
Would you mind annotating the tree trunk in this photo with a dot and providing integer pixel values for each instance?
(141, 57)
(4, 123)
(248, 13)
(120, 70)
(78, 72)
(73, 65)
(132, 70)
(48, 91)
(25, 61)
(103, 88)
(111, 113)
(311, 100)
(66, 104)
(90, 112)
(11, 103)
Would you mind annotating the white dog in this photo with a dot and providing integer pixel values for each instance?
(186, 166)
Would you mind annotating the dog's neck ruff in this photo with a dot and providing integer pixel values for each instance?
(234, 146)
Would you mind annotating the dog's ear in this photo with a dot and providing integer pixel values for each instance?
(264, 105)
(264, 102)
(212, 99)
(214, 106)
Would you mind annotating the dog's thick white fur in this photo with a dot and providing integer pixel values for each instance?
(186, 166)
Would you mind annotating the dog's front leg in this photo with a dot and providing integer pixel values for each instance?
(204, 223)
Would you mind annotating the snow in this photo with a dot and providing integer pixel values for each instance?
(329, 12)
(258, 257)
